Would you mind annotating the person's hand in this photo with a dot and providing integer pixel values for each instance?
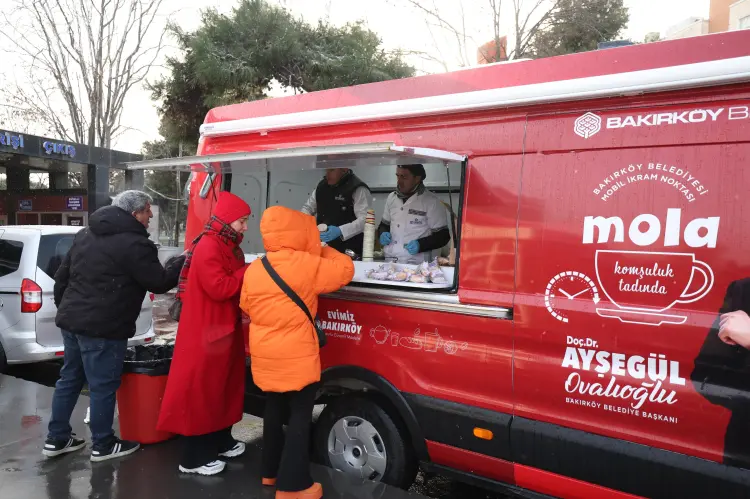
(385, 238)
(734, 329)
(412, 247)
(331, 234)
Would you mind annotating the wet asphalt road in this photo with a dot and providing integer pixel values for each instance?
(434, 486)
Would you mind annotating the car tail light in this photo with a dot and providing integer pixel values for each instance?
(31, 297)
(151, 296)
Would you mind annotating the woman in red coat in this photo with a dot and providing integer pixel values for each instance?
(206, 385)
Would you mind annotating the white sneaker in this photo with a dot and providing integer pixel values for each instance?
(237, 450)
(212, 468)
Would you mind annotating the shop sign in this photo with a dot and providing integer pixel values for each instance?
(74, 203)
(9, 140)
(62, 149)
(25, 205)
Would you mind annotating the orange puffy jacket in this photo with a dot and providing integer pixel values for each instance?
(284, 349)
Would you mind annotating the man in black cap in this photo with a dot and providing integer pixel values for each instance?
(340, 202)
(414, 225)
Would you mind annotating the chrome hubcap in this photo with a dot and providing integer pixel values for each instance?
(355, 447)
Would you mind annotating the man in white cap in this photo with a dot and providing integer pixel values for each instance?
(414, 225)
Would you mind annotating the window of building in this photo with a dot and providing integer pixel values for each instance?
(3, 179)
(745, 22)
(38, 180)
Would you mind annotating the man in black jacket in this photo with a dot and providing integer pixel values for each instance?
(340, 201)
(99, 290)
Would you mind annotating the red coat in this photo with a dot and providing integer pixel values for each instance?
(206, 384)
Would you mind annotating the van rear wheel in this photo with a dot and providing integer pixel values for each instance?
(357, 436)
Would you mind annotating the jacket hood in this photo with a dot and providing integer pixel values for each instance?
(284, 228)
(113, 220)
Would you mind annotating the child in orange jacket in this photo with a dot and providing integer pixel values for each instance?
(284, 352)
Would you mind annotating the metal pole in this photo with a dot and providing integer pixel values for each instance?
(177, 205)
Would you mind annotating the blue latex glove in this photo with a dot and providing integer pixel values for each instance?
(385, 238)
(331, 234)
(412, 247)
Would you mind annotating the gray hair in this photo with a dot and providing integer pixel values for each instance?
(132, 201)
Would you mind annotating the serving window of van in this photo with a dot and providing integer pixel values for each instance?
(394, 209)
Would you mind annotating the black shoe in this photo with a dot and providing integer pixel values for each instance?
(119, 448)
(54, 448)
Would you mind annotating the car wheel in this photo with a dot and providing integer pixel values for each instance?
(355, 435)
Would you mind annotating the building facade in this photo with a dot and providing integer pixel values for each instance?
(739, 15)
(54, 182)
(724, 15)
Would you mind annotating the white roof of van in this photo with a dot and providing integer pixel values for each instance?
(44, 229)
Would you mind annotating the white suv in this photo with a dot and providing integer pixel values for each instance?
(29, 258)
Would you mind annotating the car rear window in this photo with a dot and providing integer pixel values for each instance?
(52, 251)
(10, 256)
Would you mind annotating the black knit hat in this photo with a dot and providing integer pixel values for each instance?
(416, 169)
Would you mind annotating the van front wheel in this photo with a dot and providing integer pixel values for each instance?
(356, 436)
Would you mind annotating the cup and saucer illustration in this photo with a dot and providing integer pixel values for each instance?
(644, 286)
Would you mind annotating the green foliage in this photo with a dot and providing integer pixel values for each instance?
(234, 58)
(652, 37)
(579, 26)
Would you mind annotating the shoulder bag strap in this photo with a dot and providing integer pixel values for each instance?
(286, 289)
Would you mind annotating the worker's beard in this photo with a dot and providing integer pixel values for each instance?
(418, 189)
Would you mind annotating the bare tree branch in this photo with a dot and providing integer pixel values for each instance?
(529, 18)
(461, 36)
(525, 34)
(84, 57)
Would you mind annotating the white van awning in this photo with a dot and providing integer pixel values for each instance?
(303, 158)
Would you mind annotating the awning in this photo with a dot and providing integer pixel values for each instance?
(303, 158)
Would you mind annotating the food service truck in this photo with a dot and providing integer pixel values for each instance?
(601, 225)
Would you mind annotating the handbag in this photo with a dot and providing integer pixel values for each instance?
(322, 340)
(175, 310)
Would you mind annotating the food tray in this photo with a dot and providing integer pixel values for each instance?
(360, 268)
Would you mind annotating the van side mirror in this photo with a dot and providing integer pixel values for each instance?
(206, 187)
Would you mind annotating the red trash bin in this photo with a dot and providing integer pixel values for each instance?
(139, 400)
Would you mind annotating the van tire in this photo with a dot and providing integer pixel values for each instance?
(401, 463)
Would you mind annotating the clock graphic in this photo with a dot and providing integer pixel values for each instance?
(568, 286)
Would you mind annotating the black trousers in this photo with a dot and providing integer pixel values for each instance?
(203, 449)
(287, 458)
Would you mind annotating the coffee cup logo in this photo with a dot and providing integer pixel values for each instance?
(645, 286)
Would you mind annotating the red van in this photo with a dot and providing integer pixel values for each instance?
(601, 221)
